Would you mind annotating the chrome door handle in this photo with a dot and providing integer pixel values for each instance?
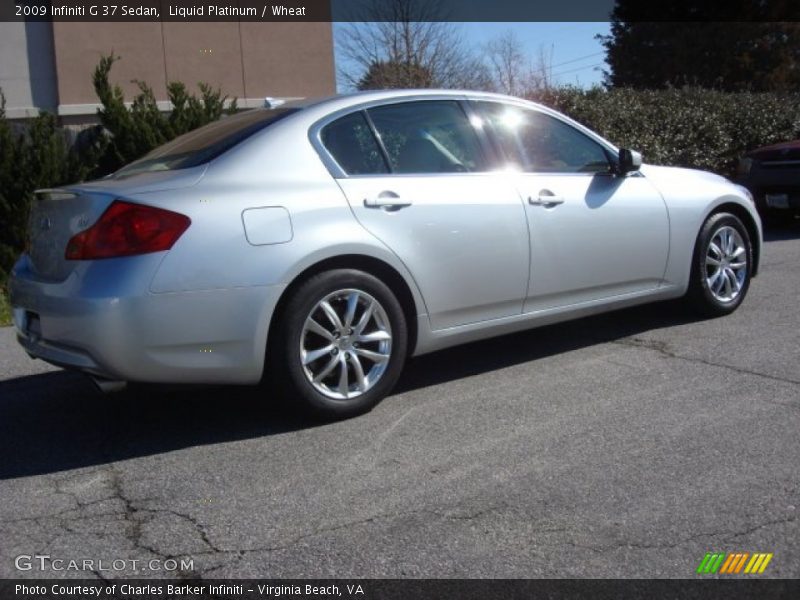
(546, 200)
(386, 200)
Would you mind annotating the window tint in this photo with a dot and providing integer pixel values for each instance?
(352, 145)
(428, 137)
(537, 142)
(205, 143)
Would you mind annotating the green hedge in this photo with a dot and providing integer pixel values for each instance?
(688, 127)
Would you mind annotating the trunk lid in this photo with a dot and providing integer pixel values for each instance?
(143, 183)
(58, 214)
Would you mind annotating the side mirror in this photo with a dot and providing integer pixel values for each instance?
(629, 160)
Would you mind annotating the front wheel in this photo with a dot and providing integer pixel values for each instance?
(340, 345)
(722, 266)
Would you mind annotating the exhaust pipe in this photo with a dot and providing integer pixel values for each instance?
(108, 386)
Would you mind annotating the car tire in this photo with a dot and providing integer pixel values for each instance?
(340, 345)
(722, 266)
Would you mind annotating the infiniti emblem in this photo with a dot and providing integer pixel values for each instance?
(45, 223)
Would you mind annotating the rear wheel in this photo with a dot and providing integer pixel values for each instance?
(340, 344)
(722, 265)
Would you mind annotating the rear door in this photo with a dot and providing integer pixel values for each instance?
(415, 175)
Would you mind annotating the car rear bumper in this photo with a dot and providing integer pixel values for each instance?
(116, 329)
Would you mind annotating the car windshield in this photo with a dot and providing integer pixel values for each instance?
(206, 143)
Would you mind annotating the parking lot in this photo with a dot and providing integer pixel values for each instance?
(626, 445)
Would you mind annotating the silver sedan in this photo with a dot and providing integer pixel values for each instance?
(315, 246)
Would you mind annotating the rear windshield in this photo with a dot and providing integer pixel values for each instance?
(206, 143)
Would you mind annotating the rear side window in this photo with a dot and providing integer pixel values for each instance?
(353, 147)
(539, 143)
(428, 137)
(205, 143)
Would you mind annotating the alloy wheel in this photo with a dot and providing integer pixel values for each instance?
(345, 344)
(726, 264)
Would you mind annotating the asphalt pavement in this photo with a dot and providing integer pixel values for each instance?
(625, 445)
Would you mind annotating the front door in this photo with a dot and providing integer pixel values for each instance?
(593, 235)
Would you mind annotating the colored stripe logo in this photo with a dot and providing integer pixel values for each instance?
(734, 563)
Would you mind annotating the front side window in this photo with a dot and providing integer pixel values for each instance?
(428, 137)
(538, 143)
(352, 145)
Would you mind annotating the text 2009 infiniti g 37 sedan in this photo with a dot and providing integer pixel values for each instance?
(323, 243)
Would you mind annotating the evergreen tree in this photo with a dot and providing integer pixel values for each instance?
(744, 51)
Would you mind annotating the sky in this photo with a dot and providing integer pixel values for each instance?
(575, 56)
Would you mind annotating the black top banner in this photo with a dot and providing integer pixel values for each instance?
(396, 10)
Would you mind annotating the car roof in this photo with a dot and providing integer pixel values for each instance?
(342, 101)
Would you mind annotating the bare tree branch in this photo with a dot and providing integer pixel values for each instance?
(510, 69)
(406, 43)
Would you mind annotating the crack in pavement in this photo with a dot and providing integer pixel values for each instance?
(599, 548)
(135, 517)
(662, 348)
(241, 552)
(596, 548)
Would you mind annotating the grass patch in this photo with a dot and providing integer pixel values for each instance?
(5, 307)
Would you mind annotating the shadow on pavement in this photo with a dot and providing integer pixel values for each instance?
(57, 421)
(500, 352)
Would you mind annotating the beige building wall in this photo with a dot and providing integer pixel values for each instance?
(297, 59)
(78, 48)
(246, 60)
(207, 52)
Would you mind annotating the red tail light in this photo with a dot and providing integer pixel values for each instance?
(126, 229)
